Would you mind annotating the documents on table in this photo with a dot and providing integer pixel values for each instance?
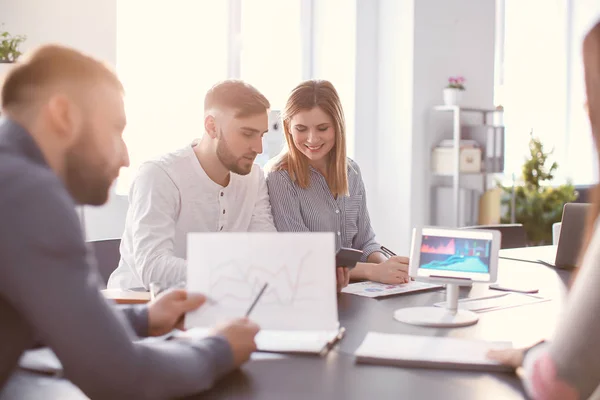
(429, 352)
(374, 289)
(497, 302)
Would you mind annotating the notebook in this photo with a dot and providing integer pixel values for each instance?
(429, 352)
(293, 342)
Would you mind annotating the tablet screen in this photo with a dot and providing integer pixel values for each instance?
(440, 253)
(455, 254)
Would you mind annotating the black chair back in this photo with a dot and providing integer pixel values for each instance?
(513, 235)
(107, 256)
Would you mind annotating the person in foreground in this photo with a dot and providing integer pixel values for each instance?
(61, 143)
(211, 185)
(568, 367)
(314, 187)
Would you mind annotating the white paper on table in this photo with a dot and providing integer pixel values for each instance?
(375, 289)
(231, 268)
(43, 360)
(429, 351)
(496, 302)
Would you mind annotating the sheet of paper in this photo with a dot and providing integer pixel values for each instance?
(231, 268)
(42, 360)
(427, 349)
(497, 302)
(375, 289)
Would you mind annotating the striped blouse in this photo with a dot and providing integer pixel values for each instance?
(314, 209)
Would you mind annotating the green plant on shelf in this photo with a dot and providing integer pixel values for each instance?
(9, 46)
(537, 203)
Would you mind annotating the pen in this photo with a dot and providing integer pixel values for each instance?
(389, 254)
(256, 299)
(387, 251)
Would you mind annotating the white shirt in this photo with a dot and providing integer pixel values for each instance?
(171, 197)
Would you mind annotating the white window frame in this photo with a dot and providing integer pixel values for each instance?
(564, 173)
(235, 44)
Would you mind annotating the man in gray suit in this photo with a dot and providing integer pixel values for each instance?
(60, 144)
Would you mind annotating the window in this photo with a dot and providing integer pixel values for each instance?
(167, 57)
(539, 82)
(335, 56)
(169, 53)
(271, 47)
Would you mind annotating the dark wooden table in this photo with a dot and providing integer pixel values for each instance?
(336, 376)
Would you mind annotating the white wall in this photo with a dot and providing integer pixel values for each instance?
(87, 25)
(408, 50)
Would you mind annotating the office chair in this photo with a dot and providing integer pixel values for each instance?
(513, 235)
(107, 256)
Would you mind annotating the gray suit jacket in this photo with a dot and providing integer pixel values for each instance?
(49, 291)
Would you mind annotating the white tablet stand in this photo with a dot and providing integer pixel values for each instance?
(440, 317)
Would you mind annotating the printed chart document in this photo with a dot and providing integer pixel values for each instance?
(375, 289)
(429, 352)
(299, 306)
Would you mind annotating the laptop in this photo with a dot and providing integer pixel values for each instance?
(570, 239)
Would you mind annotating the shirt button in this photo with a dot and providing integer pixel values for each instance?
(337, 211)
(339, 233)
(223, 211)
(222, 194)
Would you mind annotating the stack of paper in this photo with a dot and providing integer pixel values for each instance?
(429, 352)
(374, 289)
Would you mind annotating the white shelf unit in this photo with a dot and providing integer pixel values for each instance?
(487, 115)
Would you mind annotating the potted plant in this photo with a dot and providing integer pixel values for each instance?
(537, 204)
(9, 46)
(454, 91)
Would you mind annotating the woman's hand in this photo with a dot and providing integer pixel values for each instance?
(392, 271)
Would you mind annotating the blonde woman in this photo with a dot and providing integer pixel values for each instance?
(314, 187)
(568, 367)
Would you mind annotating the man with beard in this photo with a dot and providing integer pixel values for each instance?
(211, 185)
(61, 143)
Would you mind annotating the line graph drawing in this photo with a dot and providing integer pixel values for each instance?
(236, 280)
(230, 269)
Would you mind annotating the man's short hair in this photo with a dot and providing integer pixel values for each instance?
(237, 95)
(51, 65)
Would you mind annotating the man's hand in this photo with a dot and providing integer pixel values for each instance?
(168, 310)
(342, 278)
(240, 334)
(392, 271)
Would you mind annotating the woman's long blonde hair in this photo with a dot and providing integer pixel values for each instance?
(591, 64)
(305, 97)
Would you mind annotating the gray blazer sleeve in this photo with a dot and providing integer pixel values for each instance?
(46, 277)
(137, 315)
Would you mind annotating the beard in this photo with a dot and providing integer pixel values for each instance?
(86, 178)
(230, 161)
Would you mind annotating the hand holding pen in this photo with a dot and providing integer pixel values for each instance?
(240, 333)
(394, 270)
